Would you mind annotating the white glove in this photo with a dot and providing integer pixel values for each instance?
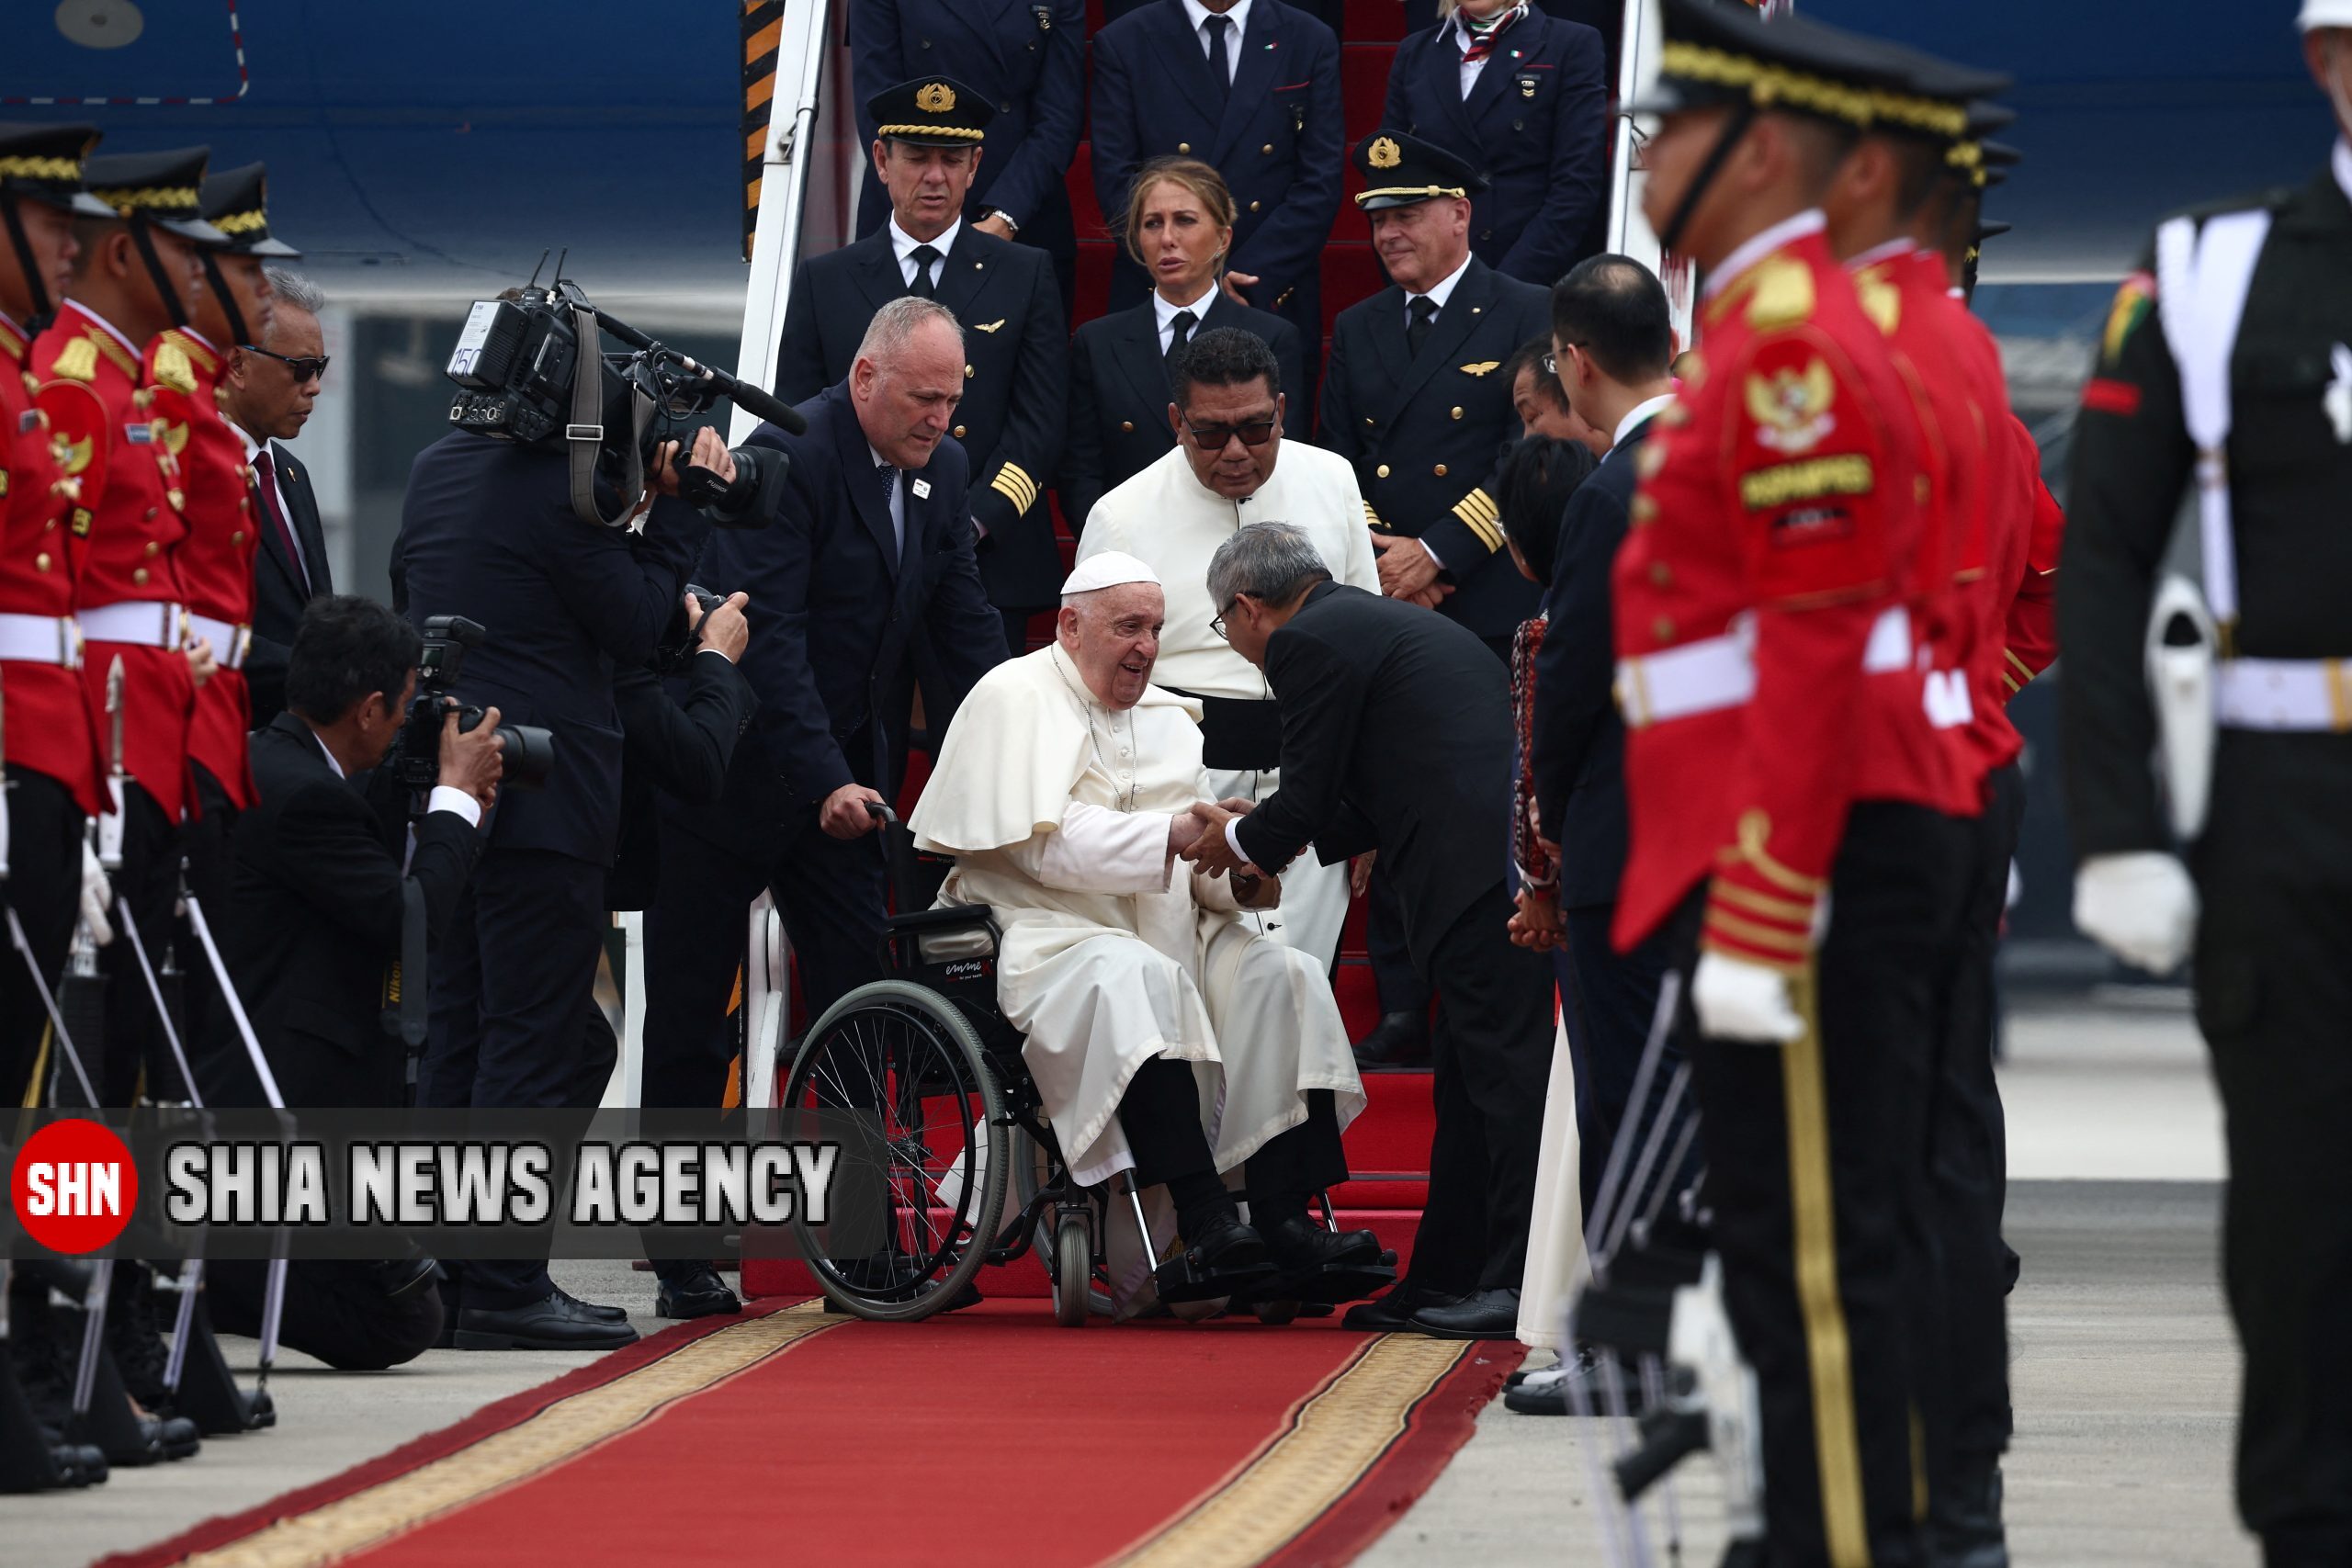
(1739, 1000)
(2141, 906)
(97, 896)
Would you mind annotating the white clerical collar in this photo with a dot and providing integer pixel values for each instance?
(1755, 249)
(1444, 290)
(2342, 162)
(1239, 16)
(902, 243)
(1164, 313)
(1646, 409)
(109, 326)
(1901, 245)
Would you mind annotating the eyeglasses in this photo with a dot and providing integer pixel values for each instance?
(1213, 437)
(1217, 621)
(307, 367)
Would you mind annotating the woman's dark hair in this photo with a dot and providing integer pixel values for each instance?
(1538, 477)
(347, 649)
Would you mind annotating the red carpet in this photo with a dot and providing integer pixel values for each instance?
(983, 1438)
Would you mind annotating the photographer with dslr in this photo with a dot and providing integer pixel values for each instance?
(492, 530)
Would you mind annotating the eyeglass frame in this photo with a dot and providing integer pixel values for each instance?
(294, 362)
(1217, 621)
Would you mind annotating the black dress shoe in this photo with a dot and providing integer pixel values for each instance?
(1398, 1040)
(1964, 1528)
(1549, 1392)
(1393, 1313)
(697, 1291)
(595, 1310)
(1226, 1245)
(1481, 1314)
(176, 1436)
(556, 1322)
(1299, 1242)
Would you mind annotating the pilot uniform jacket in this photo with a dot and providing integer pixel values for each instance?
(216, 559)
(127, 524)
(1428, 433)
(46, 720)
(487, 531)
(1776, 511)
(1366, 682)
(283, 587)
(1278, 139)
(1535, 123)
(316, 906)
(835, 603)
(1026, 57)
(1016, 352)
(1119, 395)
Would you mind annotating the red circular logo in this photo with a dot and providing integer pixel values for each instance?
(73, 1186)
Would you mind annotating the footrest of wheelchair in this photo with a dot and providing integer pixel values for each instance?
(1326, 1285)
(1182, 1279)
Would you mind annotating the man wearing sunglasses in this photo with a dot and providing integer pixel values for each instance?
(1230, 468)
(271, 384)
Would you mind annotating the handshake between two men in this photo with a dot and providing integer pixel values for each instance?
(1197, 836)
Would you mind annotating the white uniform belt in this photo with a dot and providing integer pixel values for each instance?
(229, 641)
(2283, 693)
(146, 623)
(40, 639)
(1719, 672)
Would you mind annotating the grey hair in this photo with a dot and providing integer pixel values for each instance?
(1271, 562)
(295, 290)
(894, 326)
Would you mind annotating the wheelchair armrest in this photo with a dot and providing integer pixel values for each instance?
(926, 939)
(945, 918)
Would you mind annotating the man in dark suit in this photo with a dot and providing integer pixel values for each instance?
(268, 394)
(928, 150)
(1415, 397)
(1363, 682)
(1028, 58)
(488, 532)
(871, 548)
(1251, 86)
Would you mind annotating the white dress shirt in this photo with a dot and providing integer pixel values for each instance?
(1239, 16)
(255, 455)
(897, 498)
(1439, 292)
(902, 244)
(1648, 408)
(2342, 163)
(1470, 68)
(1164, 314)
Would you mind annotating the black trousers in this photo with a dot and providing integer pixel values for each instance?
(1490, 1058)
(214, 1050)
(1614, 1005)
(335, 1309)
(44, 888)
(2273, 995)
(1160, 1114)
(510, 980)
(1960, 1316)
(1399, 984)
(1808, 1145)
(136, 1058)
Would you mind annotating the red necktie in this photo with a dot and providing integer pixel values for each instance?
(266, 476)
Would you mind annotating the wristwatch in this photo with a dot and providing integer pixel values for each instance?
(1002, 216)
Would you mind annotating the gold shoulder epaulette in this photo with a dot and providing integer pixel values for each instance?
(172, 367)
(78, 361)
(1782, 295)
(1882, 300)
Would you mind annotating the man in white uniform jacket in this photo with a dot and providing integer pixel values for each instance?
(1230, 466)
(1166, 1035)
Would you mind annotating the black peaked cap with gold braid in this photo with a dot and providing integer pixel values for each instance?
(237, 202)
(1399, 170)
(160, 187)
(1720, 53)
(932, 111)
(46, 163)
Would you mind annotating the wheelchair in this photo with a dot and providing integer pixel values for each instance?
(932, 1073)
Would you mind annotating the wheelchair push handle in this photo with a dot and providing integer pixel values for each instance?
(881, 813)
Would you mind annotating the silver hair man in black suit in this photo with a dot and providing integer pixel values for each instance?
(270, 388)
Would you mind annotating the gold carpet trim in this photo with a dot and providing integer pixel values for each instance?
(1334, 1436)
(561, 1432)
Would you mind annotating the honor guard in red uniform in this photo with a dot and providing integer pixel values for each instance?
(187, 366)
(1785, 784)
(136, 275)
(52, 759)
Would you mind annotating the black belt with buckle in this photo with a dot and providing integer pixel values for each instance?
(1239, 734)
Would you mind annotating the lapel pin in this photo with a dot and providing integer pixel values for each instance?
(922, 490)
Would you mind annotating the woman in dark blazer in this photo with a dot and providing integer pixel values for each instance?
(1533, 116)
(1179, 228)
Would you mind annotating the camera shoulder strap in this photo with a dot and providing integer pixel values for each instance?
(584, 437)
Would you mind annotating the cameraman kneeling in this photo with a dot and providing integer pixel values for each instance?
(315, 909)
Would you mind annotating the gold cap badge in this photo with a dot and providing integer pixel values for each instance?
(938, 97)
(1384, 155)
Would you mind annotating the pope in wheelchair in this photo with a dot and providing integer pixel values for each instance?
(1166, 1037)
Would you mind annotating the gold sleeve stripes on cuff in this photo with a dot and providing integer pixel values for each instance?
(1478, 513)
(1769, 938)
(1763, 904)
(1015, 486)
(2019, 674)
(1373, 518)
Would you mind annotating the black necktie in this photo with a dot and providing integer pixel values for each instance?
(1220, 62)
(887, 475)
(1180, 330)
(1422, 313)
(924, 256)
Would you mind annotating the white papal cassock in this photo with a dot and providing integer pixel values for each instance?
(1057, 809)
(1166, 517)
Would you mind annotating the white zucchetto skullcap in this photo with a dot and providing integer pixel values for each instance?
(1109, 569)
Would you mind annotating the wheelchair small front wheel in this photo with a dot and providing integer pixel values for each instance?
(1073, 1267)
(918, 1190)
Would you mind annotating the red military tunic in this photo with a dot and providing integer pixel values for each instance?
(1762, 606)
(2029, 627)
(215, 560)
(46, 720)
(128, 520)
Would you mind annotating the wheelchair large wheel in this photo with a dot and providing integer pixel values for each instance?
(925, 1150)
(1073, 1267)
